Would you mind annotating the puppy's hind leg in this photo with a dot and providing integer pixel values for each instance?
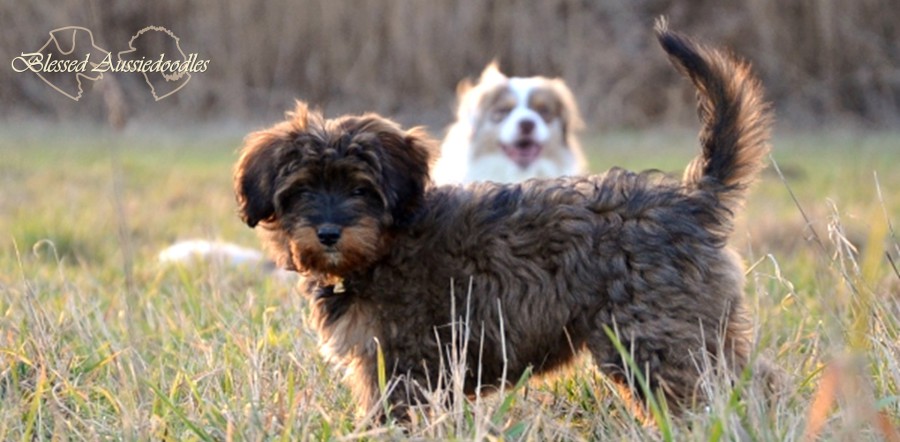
(647, 371)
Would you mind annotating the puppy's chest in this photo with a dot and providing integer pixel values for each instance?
(350, 316)
(347, 324)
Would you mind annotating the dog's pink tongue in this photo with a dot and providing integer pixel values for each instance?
(522, 153)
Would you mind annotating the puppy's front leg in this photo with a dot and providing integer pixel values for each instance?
(401, 394)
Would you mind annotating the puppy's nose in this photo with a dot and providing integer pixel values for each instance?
(329, 234)
(526, 126)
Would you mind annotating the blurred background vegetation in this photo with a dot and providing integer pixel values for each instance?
(823, 61)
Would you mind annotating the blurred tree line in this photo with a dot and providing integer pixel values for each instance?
(822, 61)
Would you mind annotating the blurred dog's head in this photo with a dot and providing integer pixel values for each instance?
(515, 126)
(328, 192)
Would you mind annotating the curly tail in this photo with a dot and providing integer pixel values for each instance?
(736, 119)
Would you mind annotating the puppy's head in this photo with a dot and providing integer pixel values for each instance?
(329, 192)
(524, 117)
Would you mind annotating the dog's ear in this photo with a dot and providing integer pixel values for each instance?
(405, 159)
(469, 94)
(463, 87)
(255, 174)
(263, 155)
(572, 121)
(492, 74)
(409, 176)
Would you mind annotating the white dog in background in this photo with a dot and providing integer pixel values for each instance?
(510, 129)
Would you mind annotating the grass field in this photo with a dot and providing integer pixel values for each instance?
(97, 341)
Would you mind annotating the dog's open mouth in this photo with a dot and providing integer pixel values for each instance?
(523, 151)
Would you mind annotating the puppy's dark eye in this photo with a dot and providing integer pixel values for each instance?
(292, 197)
(360, 192)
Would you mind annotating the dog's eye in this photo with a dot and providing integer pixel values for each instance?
(363, 192)
(501, 113)
(544, 111)
(293, 196)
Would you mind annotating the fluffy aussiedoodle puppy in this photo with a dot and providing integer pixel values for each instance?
(540, 270)
(509, 129)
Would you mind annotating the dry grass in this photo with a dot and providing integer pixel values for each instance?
(819, 59)
(97, 341)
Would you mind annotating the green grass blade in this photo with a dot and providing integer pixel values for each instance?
(659, 415)
(510, 397)
(35, 407)
(203, 435)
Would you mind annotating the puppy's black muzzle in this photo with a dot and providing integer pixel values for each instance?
(328, 234)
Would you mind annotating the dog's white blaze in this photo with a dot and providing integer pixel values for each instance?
(510, 130)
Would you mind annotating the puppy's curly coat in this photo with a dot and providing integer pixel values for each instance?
(348, 202)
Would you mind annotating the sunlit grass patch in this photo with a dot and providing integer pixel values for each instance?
(98, 340)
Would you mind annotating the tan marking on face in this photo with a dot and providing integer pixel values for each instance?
(498, 103)
(546, 103)
(359, 246)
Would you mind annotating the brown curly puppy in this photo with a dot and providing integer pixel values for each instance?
(348, 202)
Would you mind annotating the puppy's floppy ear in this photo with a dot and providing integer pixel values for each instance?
(262, 157)
(414, 164)
(406, 158)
